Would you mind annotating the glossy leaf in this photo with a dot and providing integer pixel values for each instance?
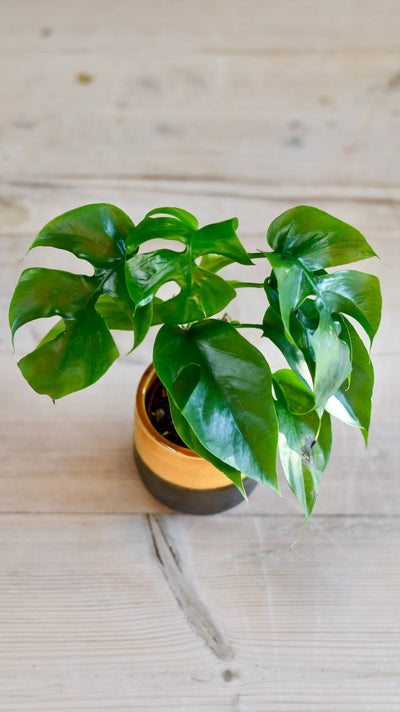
(222, 386)
(217, 238)
(73, 359)
(221, 239)
(294, 285)
(61, 364)
(95, 233)
(153, 228)
(43, 292)
(317, 239)
(309, 304)
(213, 263)
(273, 329)
(352, 401)
(304, 442)
(185, 432)
(202, 292)
(299, 398)
(332, 358)
(183, 215)
(354, 293)
(303, 457)
(114, 314)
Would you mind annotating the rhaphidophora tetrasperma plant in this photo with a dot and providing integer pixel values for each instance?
(226, 404)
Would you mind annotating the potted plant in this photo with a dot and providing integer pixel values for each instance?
(230, 414)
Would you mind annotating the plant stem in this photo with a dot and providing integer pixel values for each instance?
(240, 325)
(256, 255)
(236, 284)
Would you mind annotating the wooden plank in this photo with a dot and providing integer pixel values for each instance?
(341, 127)
(114, 613)
(253, 27)
(262, 93)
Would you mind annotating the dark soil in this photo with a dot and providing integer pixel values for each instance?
(160, 415)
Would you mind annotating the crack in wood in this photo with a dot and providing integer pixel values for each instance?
(193, 608)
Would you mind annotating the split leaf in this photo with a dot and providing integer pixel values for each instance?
(202, 293)
(66, 361)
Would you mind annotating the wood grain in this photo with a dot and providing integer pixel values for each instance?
(107, 602)
(90, 620)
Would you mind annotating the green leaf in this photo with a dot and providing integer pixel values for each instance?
(114, 314)
(332, 358)
(354, 293)
(153, 228)
(74, 358)
(304, 442)
(95, 233)
(273, 329)
(294, 285)
(43, 292)
(304, 448)
(213, 263)
(317, 239)
(184, 430)
(142, 321)
(352, 401)
(221, 239)
(309, 304)
(299, 398)
(222, 386)
(183, 215)
(202, 293)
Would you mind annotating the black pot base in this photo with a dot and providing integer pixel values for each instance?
(191, 501)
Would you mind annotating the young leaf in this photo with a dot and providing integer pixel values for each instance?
(299, 398)
(273, 329)
(294, 285)
(332, 359)
(352, 401)
(304, 440)
(354, 293)
(316, 238)
(222, 386)
(221, 239)
(303, 457)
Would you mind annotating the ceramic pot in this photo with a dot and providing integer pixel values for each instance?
(175, 475)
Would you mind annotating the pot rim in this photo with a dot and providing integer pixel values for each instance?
(145, 383)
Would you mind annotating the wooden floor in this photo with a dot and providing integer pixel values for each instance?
(108, 601)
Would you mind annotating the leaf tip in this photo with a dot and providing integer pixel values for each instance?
(300, 534)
